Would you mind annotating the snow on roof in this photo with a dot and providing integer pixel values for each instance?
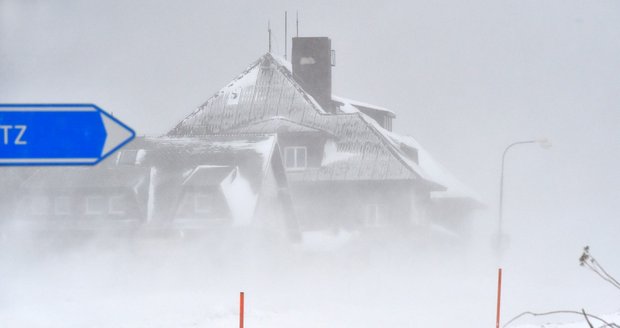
(455, 188)
(277, 124)
(409, 161)
(242, 199)
(288, 69)
(275, 93)
(352, 106)
(208, 175)
(270, 99)
(250, 154)
(349, 104)
(237, 164)
(428, 167)
(283, 62)
(213, 149)
(331, 155)
(237, 190)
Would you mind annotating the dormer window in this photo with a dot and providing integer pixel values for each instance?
(295, 158)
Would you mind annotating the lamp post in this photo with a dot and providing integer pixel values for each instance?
(544, 143)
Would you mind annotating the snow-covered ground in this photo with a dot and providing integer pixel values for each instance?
(549, 322)
(332, 280)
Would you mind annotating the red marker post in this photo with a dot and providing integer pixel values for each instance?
(499, 295)
(241, 300)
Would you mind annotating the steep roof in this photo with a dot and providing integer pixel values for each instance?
(250, 155)
(267, 89)
(353, 106)
(276, 124)
(208, 175)
(455, 189)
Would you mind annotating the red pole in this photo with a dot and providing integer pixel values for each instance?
(241, 295)
(499, 295)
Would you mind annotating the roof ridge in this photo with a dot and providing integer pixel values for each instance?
(302, 110)
(288, 74)
(202, 106)
(283, 118)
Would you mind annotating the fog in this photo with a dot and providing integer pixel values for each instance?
(464, 78)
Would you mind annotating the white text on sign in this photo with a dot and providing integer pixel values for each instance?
(20, 134)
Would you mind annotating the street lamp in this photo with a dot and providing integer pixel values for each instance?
(544, 143)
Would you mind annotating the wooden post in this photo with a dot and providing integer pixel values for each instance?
(241, 296)
(499, 295)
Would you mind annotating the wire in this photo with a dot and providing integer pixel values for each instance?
(606, 324)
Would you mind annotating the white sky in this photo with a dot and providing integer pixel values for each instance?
(465, 78)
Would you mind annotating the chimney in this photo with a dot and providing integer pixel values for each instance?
(312, 68)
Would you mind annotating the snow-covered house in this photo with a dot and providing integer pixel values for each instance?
(274, 148)
(215, 181)
(344, 166)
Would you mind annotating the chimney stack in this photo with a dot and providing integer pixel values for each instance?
(312, 68)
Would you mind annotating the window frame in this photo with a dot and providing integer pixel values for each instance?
(57, 208)
(195, 202)
(134, 157)
(295, 150)
(39, 205)
(376, 220)
(115, 210)
(88, 210)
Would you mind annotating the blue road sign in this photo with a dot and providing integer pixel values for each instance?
(59, 134)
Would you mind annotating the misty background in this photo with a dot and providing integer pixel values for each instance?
(464, 78)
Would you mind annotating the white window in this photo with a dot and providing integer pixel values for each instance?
(233, 97)
(203, 203)
(295, 158)
(372, 215)
(95, 205)
(39, 205)
(116, 205)
(127, 157)
(62, 205)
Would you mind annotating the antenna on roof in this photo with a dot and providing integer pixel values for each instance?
(297, 23)
(285, 34)
(269, 31)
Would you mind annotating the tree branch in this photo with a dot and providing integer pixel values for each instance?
(586, 316)
(606, 324)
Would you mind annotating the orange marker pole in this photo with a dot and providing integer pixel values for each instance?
(241, 296)
(499, 295)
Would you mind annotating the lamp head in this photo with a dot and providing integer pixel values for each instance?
(544, 143)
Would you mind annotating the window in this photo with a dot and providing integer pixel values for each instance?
(411, 152)
(95, 205)
(233, 97)
(295, 158)
(203, 203)
(387, 123)
(39, 205)
(372, 215)
(116, 205)
(62, 205)
(127, 157)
